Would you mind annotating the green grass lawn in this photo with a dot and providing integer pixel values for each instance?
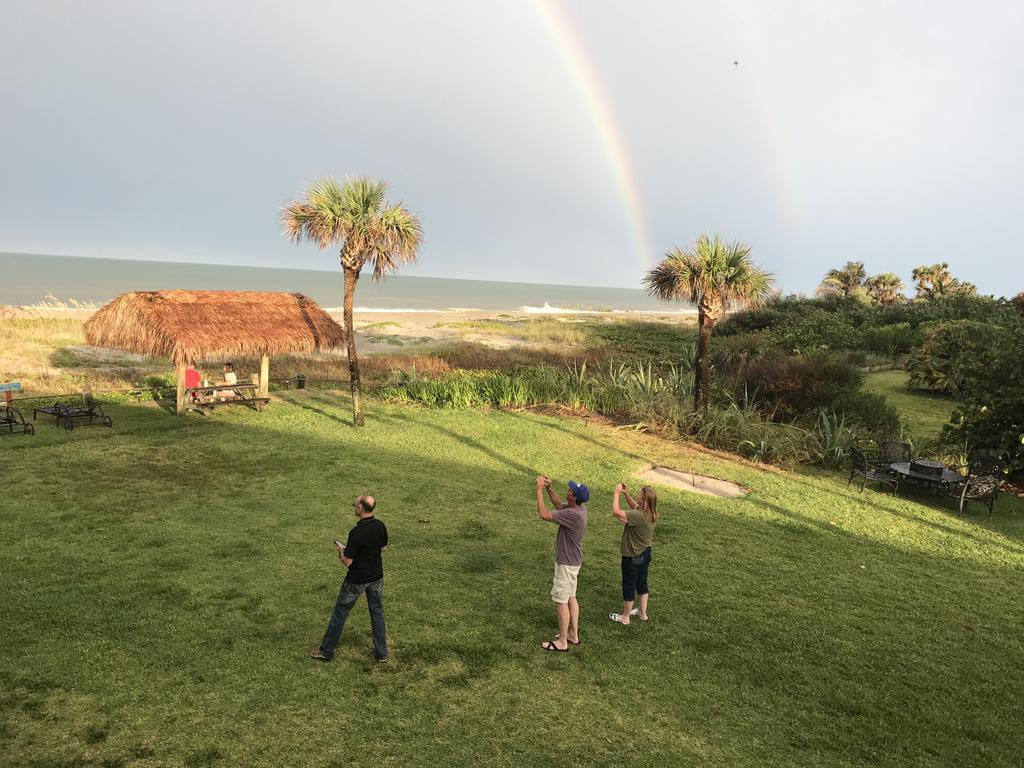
(163, 580)
(924, 413)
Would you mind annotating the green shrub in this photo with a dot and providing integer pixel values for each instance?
(794, 386)
(891, 340)
(948, 308)
(837, 323)
(728, 350)
(816, 330)
(661, 342)
(869, 412)
(991, 390)
(831, 438)
(947, 352)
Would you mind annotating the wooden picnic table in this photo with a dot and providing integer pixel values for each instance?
(203, 399)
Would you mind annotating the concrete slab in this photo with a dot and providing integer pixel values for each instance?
(689, 481)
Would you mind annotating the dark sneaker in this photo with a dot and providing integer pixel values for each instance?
(316, 653)
(382, 659)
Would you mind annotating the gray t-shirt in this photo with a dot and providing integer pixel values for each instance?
(572, 524)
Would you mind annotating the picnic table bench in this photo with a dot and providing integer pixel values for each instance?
(205, 399)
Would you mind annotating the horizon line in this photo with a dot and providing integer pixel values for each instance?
(308, 269)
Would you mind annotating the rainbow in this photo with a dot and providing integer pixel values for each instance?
(597, 105)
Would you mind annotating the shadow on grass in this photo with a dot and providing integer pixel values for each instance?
(591, 436)
(897, 506)
(823, 661)
(306, 403)
(469, 442)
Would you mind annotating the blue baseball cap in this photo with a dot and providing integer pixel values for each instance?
(581, 492)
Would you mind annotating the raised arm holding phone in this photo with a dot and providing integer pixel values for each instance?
(637, 538)
(571, 518)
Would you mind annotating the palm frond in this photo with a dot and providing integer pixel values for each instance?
(356, 216)
(398, 239)
(672, 278)
(713, 272)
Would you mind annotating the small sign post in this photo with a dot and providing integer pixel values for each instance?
(11, 417)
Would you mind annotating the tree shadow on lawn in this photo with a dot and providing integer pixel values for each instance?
(305, 402)
(833, 483)
(737, 622)
(547, 422)
(469, 442)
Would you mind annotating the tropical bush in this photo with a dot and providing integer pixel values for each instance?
(947, 353)
(661, 342)
(838, 323)
(991, 391)
(817, 330)
(871, 412)
(831, 438)
(892, 340)
(794, 386)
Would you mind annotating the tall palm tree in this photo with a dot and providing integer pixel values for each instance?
(886, 288)
(935, 281)
(849, 281)
(369, 230)
(714, 275)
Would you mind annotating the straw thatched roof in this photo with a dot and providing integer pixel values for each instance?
(188, 326)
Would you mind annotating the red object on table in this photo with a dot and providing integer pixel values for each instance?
(192, 377)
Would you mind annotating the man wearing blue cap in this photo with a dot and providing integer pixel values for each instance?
(571, 518)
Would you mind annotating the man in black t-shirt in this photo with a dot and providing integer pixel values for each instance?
(361, 555)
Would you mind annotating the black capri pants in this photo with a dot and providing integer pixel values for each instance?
(634, 575)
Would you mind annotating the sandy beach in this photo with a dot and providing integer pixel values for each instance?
(387, 330)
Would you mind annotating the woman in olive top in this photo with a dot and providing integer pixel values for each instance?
(639, 522)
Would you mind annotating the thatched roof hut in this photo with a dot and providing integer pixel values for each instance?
(188, 326)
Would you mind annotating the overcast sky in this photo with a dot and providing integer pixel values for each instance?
(884, 132)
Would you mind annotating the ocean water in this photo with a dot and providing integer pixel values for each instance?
(29, 278)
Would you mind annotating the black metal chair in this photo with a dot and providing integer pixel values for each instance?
(892, 451)
(985, 464)
(11, 420)
(983, 488)
(862, 468)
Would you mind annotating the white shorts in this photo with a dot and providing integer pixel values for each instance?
(563, 586)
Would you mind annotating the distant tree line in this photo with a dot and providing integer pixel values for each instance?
(931, 282)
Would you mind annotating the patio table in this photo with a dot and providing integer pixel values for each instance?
(944, 477)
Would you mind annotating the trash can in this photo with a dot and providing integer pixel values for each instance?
(300, 381)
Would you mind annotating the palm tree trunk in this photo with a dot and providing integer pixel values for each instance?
(701, 372)
(351, 277)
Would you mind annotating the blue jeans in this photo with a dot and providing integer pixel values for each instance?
(634, 575)
(347, 596)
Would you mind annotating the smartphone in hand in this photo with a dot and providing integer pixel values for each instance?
(339, 545)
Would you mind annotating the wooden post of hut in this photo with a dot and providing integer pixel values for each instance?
(180, 401)
(208, 325)
(265, 376)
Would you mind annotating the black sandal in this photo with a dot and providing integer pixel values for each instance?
(550, 646)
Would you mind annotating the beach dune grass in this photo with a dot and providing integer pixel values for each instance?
(163, 580)
(571, 332)
(49, 356)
